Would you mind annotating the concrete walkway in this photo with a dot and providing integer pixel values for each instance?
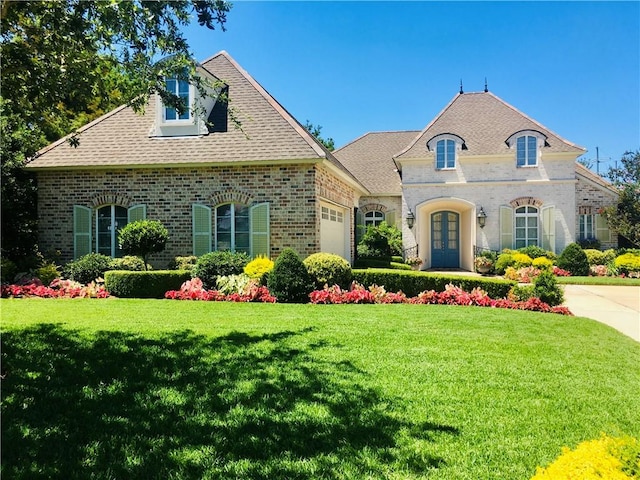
(618, 307)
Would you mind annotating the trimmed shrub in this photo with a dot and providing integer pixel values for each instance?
(372, 263)
(223, 263)
(521, 260)
(328, 269)
(128, 262)
(543, 263)
(411, 283)
(143, 238)
(521, 293)
(374, 244)
(183, 263)
(535, 251)
(133, 284)
(574, 260)
(48, 272)
(627, 263)
(504, 261)
(546, 288)
(607, 457)
(400, 266)
(87, 268)
(259, 267)
(289, 281)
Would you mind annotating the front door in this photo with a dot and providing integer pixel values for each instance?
(445, 240)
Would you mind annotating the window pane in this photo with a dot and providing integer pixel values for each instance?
(171, 85)
(451, 154)
(520, 151)
(223, 218)
(532, 222)
(223, 241)
(169, 113)
(531, 150)
(521, 209)
(440, 154)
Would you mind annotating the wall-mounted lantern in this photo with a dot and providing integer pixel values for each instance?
(410, 219)
(482, 218)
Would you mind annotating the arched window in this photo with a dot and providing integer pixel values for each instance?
(109, 220)
(445, 154)
(373, 219)
(232, 228)
(526, 226)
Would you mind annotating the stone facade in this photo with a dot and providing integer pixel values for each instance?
(168, 193)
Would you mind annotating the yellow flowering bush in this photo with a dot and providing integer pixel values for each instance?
(627, 263)
(521, 260)
(258, 267)
(543, 263)
(605, 458)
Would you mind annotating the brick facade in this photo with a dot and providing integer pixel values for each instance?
(291, 190)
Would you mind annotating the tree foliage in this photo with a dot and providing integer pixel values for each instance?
(67, 62)
(624, 217)
(142, 238)
(315, 131)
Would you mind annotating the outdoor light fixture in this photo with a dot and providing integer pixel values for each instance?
(410, 219)
(482, 218)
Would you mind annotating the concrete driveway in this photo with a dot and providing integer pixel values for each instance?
(618, 307)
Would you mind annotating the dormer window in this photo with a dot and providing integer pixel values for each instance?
(446, 147)
(527, 144)
(527, 151)
(181, 89)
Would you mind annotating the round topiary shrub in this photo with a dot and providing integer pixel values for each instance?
(328, 269)
(143, 238)
(210, 265)
(289, 281)
(258, 268)
(543, 263)
(87, 268)
(504, 261)
(535, 251)
(574, 260)
(627, 263)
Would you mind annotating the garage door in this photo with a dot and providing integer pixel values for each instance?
(333, 228)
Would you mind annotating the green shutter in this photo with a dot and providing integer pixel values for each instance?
(549, 228)
(390, 218)
(201, 221)
(259, 221)
(81, 231)
(506, 227)
(137, 212)
(603, 233)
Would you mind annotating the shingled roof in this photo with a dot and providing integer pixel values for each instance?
(484, 122)
(121, 138)
(370, 159)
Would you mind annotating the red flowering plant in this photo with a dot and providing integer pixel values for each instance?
(194, 290)
(559, 272)
(57, 289)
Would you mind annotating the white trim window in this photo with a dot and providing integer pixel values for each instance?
(445, 154)
(182, 89)
(373, 219)
(232, 228)
(527, 151)
(526, 226)
(587, 227)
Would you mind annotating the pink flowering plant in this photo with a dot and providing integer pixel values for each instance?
(452, 295)
(58, 288)
(194, 290)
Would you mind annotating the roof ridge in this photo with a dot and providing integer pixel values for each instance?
(594, 177)
(537, 123)
(304, 134)
(79, 131)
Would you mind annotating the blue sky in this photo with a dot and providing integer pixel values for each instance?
(356, 67)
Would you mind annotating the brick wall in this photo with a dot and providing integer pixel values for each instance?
(169, 193)
(589, 199)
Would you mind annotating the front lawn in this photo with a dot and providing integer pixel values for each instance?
(631, 282)
(157, 389)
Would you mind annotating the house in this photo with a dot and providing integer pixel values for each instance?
(481, 175)
(258, 189)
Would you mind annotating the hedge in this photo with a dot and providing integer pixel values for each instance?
(150, 284)
(411, 283)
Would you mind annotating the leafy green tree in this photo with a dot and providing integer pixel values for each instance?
(67, 62)
(143, 238)
(315, 131)
(624, 217)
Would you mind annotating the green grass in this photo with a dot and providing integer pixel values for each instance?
(152, 389)
(631, 282)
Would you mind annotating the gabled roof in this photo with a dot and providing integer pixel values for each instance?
(484, 122)
(369, 158)
(584, 172)
(121, 137)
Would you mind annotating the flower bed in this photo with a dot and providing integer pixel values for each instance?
(194, 290)
(57, 289)
(452, 295)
